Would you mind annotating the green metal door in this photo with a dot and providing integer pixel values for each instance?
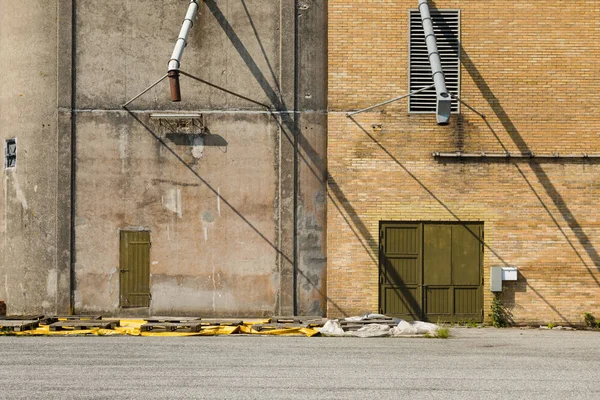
(400, 270)
(135, 269)
(432, 271)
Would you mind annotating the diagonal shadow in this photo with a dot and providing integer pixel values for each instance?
(245, 55)
(212, 85)
(400, 288)
(536, 168)
(231, 207)
(262, 48)
(452, 213)
(362, 233)
(556, 223)
(288, 118)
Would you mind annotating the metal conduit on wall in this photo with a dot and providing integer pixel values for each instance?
(444, 101)
(514, 155)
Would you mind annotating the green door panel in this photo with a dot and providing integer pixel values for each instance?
(437, 254)
(400, 269)
(438, 301)
(135, 269)
(402, 240)
(466, 301)
(466, 254)
(401, 302)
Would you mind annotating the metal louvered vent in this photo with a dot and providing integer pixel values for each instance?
(446, 25)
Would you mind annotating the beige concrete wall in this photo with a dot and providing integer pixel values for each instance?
(237, 214)
(33, 274)
(529, 69)
(220, 207)
(211, 211)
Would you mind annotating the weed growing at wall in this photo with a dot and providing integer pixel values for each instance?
(591, 321)
(440, 333)
(499, 315)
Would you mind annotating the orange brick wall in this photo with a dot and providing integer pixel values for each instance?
(532, 70)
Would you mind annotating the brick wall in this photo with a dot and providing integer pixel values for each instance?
(532, 71)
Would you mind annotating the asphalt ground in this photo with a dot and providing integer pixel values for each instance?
(473, 364)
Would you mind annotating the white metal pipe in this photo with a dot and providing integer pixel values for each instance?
(188, 22)
(513, 155)
(444, 101)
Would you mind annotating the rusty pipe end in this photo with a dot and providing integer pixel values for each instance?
(174, 84)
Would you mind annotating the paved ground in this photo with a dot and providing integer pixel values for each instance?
(473, 364)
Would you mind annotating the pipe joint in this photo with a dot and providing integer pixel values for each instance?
(180, 44)
(174, 85)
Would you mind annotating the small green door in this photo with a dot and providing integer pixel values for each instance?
(432, 271)
(135, 269)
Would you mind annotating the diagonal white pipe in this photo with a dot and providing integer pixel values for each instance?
(444, 101)
(188, 22)
(175, 60)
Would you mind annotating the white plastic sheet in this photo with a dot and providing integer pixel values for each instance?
(404, 328)
(332, 328)
(365, 316)
(372, 330)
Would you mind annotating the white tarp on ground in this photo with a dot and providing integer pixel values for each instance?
(332, 328)
(365, 316)
(404, 328)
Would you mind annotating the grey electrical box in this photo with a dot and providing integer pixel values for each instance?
(496, 279)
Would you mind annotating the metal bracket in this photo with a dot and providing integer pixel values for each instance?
(348, 115)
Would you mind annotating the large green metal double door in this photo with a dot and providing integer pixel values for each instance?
(431, 271)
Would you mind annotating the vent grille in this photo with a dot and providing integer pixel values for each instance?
(446, 25)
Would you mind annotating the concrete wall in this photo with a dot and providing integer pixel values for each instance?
(529, 69)
(34, 223)
(220, 206)
(236, 212)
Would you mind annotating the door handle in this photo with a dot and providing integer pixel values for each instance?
(123, 270)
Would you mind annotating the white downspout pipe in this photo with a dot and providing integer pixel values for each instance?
(444, 101)
(175, 60)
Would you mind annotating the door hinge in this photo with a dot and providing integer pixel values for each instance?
(381, 279)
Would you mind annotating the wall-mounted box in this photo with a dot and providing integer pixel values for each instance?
(509, 273)
(496, 279)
